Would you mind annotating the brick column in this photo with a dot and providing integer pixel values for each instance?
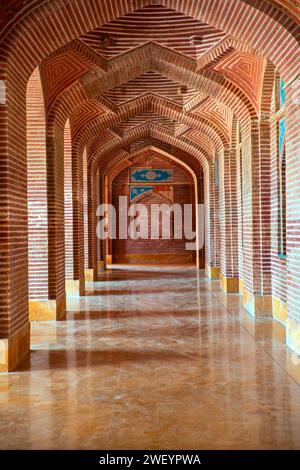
(88, 273)
(56, 306)
(229, 276)
(293, 213)
(14, 318)
(92, 220)
(257, 297)
(78, 220)
(105, 191)
(240, 215)
(200, 184)
(68, 209)
(265, 206)
(212, 265)
(73, 189)
(101, 244)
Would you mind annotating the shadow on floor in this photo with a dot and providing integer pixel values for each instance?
(115, 314)
(133, 291)
(83, 358)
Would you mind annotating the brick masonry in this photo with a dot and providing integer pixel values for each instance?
(92, 109)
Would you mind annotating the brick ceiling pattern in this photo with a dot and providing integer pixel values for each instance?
(151, 82)
(146, 68)
(153, 23)
(12, 11)
(243, 69)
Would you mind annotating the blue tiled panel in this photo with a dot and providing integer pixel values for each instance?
(138, 190)
(281, 136)
(149, 175)
(282, 93)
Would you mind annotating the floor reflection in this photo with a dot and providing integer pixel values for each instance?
(153, 359)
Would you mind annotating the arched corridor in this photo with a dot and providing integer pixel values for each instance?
(150, 223)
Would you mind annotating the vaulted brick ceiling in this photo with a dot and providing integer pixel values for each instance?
(152, 82)
(10, 10)
(187, 47)
(153, 23)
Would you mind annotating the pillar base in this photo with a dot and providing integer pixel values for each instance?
(89, 275)
(293, 336)
(279, 310)
(47, 310)
(14, 349)
(257, 305)
(200, 264)
(101, 266)
(230, 285)
(212, 272)
(108, 259)
(75, 288)
(95, 275)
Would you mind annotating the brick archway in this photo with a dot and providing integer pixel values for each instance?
(218, 16)
(110, 169)
(104, 154)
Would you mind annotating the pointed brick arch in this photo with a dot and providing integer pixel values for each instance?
(104, 153)
(217, 138)
(109, 168)
(94, 83)
(219, 14)
(154, 131)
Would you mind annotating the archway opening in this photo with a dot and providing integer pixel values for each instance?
(161, 220)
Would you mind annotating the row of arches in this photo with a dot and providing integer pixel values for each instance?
(99, 155)
(58, 152)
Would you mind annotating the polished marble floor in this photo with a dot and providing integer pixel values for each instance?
(154, 358)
